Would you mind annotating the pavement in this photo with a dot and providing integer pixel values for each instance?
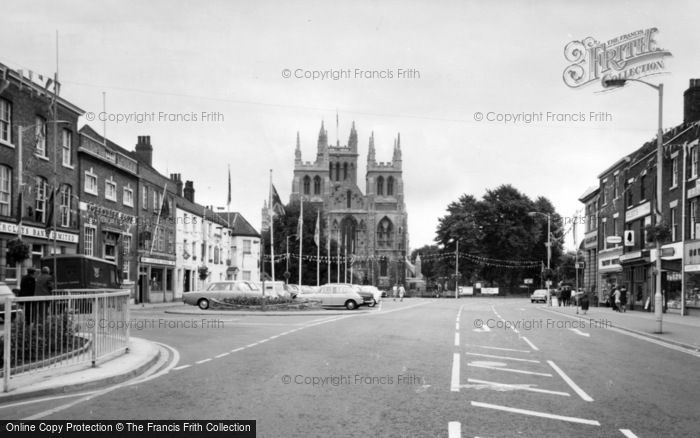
(683, 331)
(142, 355)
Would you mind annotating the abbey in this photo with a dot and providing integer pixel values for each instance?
(370, 226)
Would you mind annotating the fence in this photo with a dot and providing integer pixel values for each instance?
(63, 330)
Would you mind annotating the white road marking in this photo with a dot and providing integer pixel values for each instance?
(454, 429)
(181, 367)
(501, 349)
(454, 386)
(251, 345)
(457, 339)
(274, 337)
(510, 370)
(40, 400)
(536, 413)
(483, 329)
(203, 360)
(263, 341)
(237, 349)
(457, 326)
(570, 382)
(503, 357)
(579, 332)
(530, 343)
(222, 355)
(628, 433)
(524, 387)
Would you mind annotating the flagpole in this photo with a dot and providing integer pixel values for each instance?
(337, 251)
(318, 248)
(18, 274)
(272, 232)
(301, 234)
(345, 258)
(352, 253)
(328, 249)
(160, 210)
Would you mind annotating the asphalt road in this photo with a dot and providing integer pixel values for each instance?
(424, 368)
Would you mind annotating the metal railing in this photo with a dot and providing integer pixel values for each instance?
(66, 329)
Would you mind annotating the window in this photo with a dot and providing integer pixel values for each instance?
(330, 171)
(384, 232)
(5, 121)
(246, 246)
(128, 196)
(67, 147)
(674, 172)
(615, 187)
(110, 246)
(90, 182)
(89, 241)
(216, 255)
(602, 193)
(383, 267)
(42, 189)
(604, 234)
(317, 185)
(674, 225)
(65, 201)
(337, 171)
(348, 199)
(110, 190)
(5, 190)
(246, 275)
(643, 188)
(614, 228)
(694, 162)
(630, 195)
(144, 198)
(307, 185)
(156, 201)
(380, 186)
(390, 186)
(693, 219)
(40, 136)
(126, 250)
(345, 171)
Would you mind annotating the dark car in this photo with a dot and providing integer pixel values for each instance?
(5, 292)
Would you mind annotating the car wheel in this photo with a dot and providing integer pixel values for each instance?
(350, 305)
(203, 304)
(373, 303)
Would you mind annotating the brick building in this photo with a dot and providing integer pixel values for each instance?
(48, 127)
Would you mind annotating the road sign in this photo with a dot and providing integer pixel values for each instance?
(580, 265)
(629, 238)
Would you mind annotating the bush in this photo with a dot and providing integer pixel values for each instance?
(17, 251)
(257, 301)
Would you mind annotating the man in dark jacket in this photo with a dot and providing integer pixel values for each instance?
(26, 289)
(44, 286)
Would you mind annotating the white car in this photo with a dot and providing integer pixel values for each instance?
(376, 293)
(336, 295)
(539, 295)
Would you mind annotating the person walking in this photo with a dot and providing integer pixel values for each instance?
(584, 303)
(44, 287)
(395, 291)
(616, 299)
(623, 299)
(402, 292)
(26, 289)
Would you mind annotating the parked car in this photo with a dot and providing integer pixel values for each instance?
(376, 294)
(219, 290)
(293, 290)
(539, 295)
(5, 292)
(336, 295)
(275, 289)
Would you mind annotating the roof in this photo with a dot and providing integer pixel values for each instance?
(589, 193)
(30, 83)
(239, 225)
(90, 132)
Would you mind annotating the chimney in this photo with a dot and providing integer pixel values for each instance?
(144, 150)
(177, 179)
(189, 191)
(691, 102)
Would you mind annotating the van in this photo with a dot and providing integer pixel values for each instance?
(76, 271)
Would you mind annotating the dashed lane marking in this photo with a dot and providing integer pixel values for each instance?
(457, 339)
(454, 386)
(203, 361)
(535, 413)
(570, 382)
(509, 370)
(181, 367)
(530, 343)
(523, 387)
(493, 356)
(500, 348)
(628, 433)
(454, 429)
(579, 332)
(218, 356)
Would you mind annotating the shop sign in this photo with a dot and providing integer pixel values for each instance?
(39, 233)
(157, 261)
(591, 240)
(638, 212)
(692, 268)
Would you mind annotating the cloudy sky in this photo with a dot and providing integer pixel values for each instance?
(229, 57)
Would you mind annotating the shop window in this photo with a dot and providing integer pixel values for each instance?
(157, 279)
(110, 246)
(169, 279)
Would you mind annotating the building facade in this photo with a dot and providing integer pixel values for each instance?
(589, 245)
(369, 226)
(38, 169)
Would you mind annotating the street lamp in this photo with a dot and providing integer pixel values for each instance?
(549, 248)
(456, 265)
(607, 83)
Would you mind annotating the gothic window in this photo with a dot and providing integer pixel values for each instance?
(337, 171)
(307, 185)
(330, 171)
(317, 185)
(380, 186)
(390, 186)
(384, 232)
(345, 170)
(383, 267)
(348, 199)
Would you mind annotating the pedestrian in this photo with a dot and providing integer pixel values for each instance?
(584, 303)
(623, 299)
(44, 287)
(402, 292)
(26, 289)
(617, 297)
(611, 298)
(395, 291)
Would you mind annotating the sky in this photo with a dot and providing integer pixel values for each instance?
(178, 59)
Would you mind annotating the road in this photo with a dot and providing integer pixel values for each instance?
(482, 367)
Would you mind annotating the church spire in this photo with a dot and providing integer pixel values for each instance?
(397, 150)
(322, 141)
(297, 151)
(352, 141)
(371, 154)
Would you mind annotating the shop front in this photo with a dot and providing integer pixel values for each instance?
(609, 273)
(692, 275)
(155, 283)
(671, 277)
(635, 271)
(590, 260)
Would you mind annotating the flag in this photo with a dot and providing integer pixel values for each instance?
(317, 231)
(165, 208)
(277, 206)
(228, 200)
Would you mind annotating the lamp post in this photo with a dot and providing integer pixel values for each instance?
(456, 265)
(659, 190)
(549, 248)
